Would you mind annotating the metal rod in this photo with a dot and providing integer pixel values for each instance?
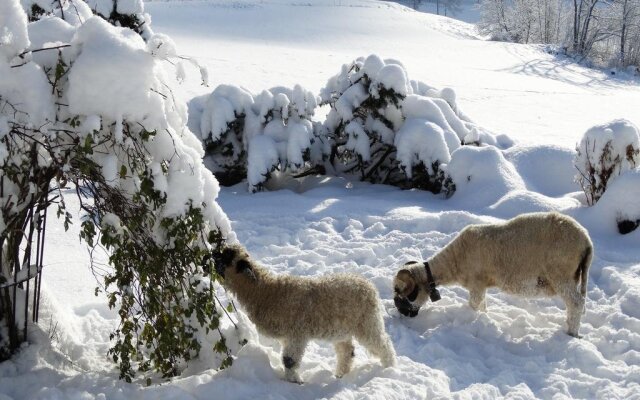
(13, 327)
(44, 232)
(35, 283)
(27, 262)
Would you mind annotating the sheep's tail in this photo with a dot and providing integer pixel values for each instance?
(583, 270)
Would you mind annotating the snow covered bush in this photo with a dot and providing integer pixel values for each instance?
(605, 152)
(251, 136)
(618, 210)
(96, 113)
(388, 129)
(125, 13)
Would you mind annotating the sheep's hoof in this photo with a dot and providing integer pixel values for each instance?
(294, 379)
(478, 307)
(575, 335)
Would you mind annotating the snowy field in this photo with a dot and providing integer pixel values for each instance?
(518, 349)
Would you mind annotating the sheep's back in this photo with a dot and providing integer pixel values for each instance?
(538, 247)
(322, 308)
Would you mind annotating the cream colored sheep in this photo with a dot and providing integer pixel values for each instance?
(537, 254)
(335, 308)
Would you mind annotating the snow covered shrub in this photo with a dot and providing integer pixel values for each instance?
(388, 129)
(251, 136)
(98, 115)
(605, 152)
(619, 206)
(125, 13)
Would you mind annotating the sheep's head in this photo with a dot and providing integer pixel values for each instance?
(409, 295)
(234, 262)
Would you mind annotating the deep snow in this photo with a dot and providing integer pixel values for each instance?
(518, 349)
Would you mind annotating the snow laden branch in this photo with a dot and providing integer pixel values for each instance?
(98, 115)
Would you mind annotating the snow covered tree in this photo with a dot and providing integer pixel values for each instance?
(416, 4)
(448, 7)
(388, 129)
(605, 152)
(96, 113)
(605, 32)
(524, 21)
(253, 136)
(621, 23)
(585, 34)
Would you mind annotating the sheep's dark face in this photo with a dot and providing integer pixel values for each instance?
(409, 296)
(225, 260)
(234, 261)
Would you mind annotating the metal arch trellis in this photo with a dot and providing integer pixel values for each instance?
(24, 281)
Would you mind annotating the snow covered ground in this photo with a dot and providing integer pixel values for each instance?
(518, 349)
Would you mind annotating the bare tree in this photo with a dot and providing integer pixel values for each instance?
(605, 31)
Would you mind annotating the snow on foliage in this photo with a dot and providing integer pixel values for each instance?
(124, 13)
(251, 136)
(100, 113)
(419, 140)
(389, 129)
(605, 152)
(13, 30)
(381, 127)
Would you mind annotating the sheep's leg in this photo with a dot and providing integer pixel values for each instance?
(292, 352)
(375, 339)
(477, 299)
(344, 354)
(575, 304)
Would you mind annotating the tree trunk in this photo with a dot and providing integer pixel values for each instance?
(576, 23)
(623, 32)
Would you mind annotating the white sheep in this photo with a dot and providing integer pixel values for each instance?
(536, 254)
(335, 308)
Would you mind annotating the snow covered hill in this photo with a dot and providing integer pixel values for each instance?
(518, 349)
(508, 88)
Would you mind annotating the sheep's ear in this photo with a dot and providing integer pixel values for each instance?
(244, 266)
(404, 283)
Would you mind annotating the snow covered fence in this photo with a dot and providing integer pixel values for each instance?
(21, 282)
